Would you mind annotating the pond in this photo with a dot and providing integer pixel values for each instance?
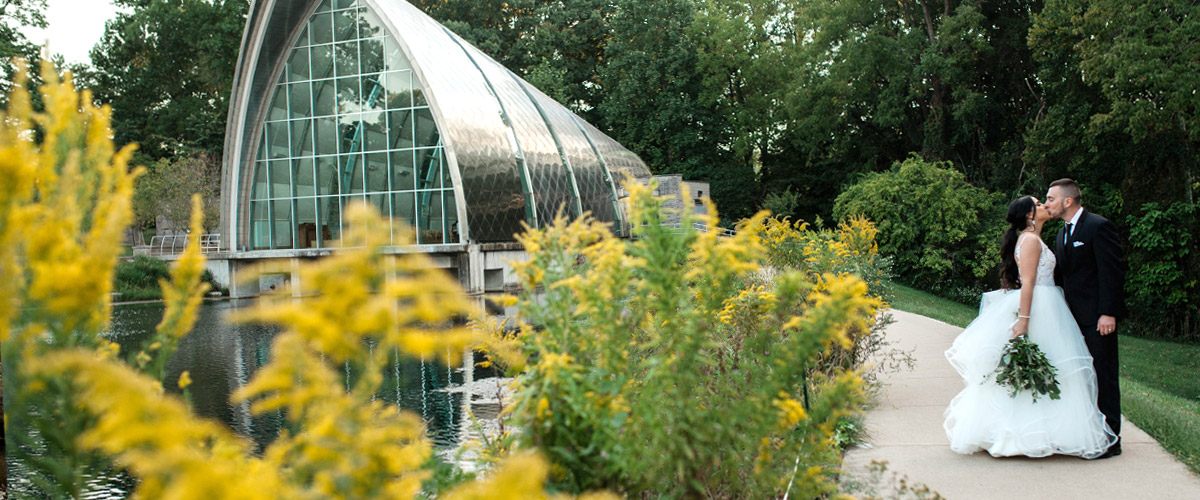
(221, 357)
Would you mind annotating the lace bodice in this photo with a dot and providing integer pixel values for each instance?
(1046, 262)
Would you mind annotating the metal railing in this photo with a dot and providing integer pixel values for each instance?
(721, 232)
(172, 244)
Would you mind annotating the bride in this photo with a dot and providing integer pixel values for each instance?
(984, 416)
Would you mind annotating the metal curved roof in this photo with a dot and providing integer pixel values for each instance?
(515, 155)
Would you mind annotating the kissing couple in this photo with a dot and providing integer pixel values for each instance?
(1067, 301)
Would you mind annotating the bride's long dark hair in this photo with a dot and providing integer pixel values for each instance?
(1018, 220)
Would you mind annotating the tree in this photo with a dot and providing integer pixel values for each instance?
(15, 14)
(653, 102)
(1121, 118)
(167, 187)
(167, 69)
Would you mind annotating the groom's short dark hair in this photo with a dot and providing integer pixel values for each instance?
(1069, 189)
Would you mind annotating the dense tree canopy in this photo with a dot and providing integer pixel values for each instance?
(166, 67)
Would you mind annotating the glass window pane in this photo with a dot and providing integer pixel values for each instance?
(400, 129)
(399, 89)
(322, 62)
(277, 140)
(329, 218)
(402, 170)
(377, 172)
(345, 25)
(260, 181)
(394, 58)
(371, 55)
(348, 95)
(350, 134)
(260, 226)
(298, 64)
(324, 7)
(379, 201)
(320, 28)
(278, 109)
(350, 173)
(418, 95)
(447, 182)
(325, 96)
(327, 175)
(302, 173)
(429, 213)
(306, 222)
(369, 24)
(451, 213)
(300, 103)
(302, 144)
(403, 208)
(326, 135)
(281, 221)
(373, 92)
(281, 179)
(343, 4)
(429, 168)
(346, 56)
(376, 132)
(427, 134)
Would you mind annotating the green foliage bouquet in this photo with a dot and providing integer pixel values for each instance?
(1024, 367)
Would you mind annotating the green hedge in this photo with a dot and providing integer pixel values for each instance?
(943, 233)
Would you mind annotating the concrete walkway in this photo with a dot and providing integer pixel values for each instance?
(905, 430)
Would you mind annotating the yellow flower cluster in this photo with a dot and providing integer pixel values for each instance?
(791, 412)
(64, 205)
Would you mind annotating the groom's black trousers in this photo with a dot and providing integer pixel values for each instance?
(1104, 356)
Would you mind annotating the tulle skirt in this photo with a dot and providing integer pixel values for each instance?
(985, 417)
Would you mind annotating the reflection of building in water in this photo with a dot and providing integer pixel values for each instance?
(343, 101)
(222, 357)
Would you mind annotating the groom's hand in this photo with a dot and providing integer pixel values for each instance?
(1106, 325)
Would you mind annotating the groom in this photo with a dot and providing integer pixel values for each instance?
(1091, 271)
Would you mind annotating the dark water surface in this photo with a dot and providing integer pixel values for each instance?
(221, 357)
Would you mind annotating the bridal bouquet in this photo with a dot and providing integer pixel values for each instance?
(1024, 366)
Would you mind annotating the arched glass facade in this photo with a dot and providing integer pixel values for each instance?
(348, 121)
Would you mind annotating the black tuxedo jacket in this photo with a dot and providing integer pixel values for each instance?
(1091, 269)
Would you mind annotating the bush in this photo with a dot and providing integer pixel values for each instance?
(140, 278)
(943, 233)
(659, 369)
(849, 250)
(1163, 283)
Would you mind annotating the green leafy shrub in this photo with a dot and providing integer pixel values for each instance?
(1163, 282)
(943, 233)
(139, 278)
(659, 369)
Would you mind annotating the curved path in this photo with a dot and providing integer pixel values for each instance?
(905, 431)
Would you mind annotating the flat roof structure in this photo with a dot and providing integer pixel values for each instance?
(337, 101)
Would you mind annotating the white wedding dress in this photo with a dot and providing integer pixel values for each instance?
(985, 417)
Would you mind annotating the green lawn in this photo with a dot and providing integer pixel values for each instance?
(1160, 380)
(929, 305)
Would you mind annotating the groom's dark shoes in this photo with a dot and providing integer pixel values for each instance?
(1113, 451)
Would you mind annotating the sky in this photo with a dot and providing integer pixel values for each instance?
(74, 27)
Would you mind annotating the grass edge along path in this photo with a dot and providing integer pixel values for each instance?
(1172, 420)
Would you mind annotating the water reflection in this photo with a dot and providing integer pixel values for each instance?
(222, 357)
